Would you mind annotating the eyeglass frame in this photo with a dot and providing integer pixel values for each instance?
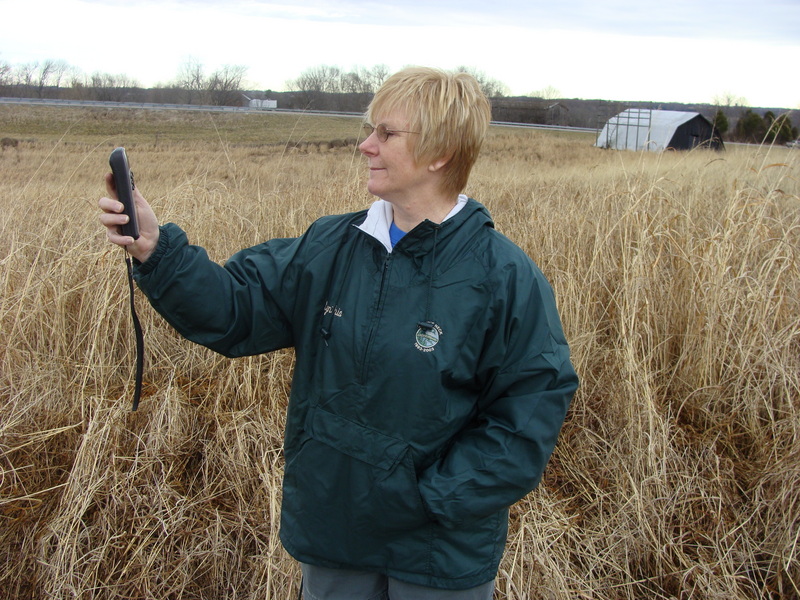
(382, 131)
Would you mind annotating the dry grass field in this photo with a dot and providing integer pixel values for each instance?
(677, 474)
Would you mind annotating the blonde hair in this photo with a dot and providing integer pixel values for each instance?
(450, 112)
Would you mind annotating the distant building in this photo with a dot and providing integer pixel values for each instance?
(658, 130)
(529, 110)
(262, 104)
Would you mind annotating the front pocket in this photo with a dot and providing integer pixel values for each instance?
(355, 482)
(362, 443)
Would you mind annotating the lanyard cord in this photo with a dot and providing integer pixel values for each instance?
(137, 391)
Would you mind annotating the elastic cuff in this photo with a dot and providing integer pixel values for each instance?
(143, 268)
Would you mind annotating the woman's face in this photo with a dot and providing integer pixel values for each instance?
(393, 172)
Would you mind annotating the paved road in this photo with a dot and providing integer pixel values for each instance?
(239, 109)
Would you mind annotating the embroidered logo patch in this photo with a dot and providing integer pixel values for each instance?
(428, 334)
(334, 310)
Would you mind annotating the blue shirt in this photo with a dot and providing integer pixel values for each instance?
(395, 234)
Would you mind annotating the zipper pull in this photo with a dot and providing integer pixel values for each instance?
(326, 334)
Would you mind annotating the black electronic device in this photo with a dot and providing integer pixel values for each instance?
(123, 183)
(124, 186)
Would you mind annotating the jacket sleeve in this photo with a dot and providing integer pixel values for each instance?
(238, 309)
(528, 384)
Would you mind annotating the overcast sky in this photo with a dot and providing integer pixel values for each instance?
(660, 51)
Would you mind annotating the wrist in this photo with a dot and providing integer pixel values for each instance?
(141, 250)
(148, 253)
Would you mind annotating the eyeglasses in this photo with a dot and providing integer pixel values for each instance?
(382, 131)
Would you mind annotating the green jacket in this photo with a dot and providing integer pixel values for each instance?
(430, 385)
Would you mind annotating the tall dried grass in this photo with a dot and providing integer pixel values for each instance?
(677, 474)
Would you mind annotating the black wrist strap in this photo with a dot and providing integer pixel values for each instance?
(137, 391)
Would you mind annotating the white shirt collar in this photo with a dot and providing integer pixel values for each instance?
(380, 216)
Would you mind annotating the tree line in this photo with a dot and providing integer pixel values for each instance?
(332, 88)
(57, 79)
(753, 128)
(193, 85)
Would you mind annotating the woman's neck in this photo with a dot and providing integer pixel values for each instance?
(408, 215)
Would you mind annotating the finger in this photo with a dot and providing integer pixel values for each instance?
(138, 198)
(112, 219)
(110, 205)
(110, 187)
(114, 235)
(117, 238)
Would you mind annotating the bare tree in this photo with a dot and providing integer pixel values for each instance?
(60, 69)
(547, 93)
(49, 75)
(315, 83)
(332, 88)
(322, 78)
(334, 80)
(493, 88)
(224, 86)
(25, 74)
(44, 71)
(6, 74)
(192, 80)
(355, 82)
(377, 75)
(362, 80)
(111, 88)
(77, 83)
(729, 100)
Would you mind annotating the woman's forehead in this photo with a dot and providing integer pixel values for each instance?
(391, 116)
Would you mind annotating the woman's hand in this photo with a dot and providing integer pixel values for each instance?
(112, 218)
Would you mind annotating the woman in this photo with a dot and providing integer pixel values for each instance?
(432, 374)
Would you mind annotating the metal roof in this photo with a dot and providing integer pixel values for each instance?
(642, 129)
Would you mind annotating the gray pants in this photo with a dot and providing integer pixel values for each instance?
(320, 583)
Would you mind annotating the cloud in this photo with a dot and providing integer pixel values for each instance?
(679, 50)
(776, 20)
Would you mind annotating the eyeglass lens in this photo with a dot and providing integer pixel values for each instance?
(383, 134)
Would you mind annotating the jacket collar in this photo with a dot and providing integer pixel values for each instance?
(380, 216)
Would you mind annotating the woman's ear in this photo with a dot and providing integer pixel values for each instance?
(439, 164)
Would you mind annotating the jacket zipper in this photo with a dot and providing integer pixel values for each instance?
(375, 318)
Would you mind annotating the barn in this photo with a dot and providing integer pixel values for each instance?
(658, 130)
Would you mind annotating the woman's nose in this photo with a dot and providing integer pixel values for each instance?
(369, 146)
